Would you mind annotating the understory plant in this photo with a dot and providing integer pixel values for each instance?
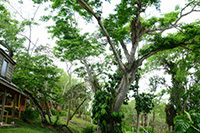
(188, 122)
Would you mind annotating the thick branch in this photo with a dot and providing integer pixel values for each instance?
(95, 85)
(137, 30)
(8, 47)
(188, 48)
(124, 49)
(162, 49)
(77, 108)
(89, 10)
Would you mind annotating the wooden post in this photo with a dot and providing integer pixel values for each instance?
(19, 113)
(19, 100)
(6, 116)
(13, 109)
(3, 107)
(25, 103)
(30, 104)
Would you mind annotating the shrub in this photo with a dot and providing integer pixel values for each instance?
(54, 112)
(88, 129)
(63, 113)
(71, 112)
(30, 114)
(145, 129)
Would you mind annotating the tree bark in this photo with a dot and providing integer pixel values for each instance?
(77, 108)
(10, 51)
(38, 106)
(142, 120)
(138, 123)
(70, 87)
(68, 114)
(145, 119)
(48, 111)
(121, 92)
(153, 124)
(95, 85)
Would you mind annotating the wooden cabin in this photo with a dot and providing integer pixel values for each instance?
(12, 100)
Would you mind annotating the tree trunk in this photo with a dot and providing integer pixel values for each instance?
(91, 120)
(48, 111)
(148, 121)
(153, 124)
(3, 43)
(77, 108)
(38, 106)
(121, 91)
(142, 120)
(145, 119)
(68, 114)
(138, 123)
(79, 113)
(69, 108)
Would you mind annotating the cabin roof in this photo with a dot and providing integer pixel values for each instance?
(10, 87)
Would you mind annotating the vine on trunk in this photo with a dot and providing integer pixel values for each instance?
(107, 120)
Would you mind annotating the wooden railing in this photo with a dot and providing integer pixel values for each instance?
(6, 116)
(7, 112)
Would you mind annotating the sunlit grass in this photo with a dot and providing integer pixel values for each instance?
(26, 128)
(76, 125)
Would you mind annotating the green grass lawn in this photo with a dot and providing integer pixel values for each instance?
(76, 125)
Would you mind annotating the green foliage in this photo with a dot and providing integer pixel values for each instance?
(88, 129)
(145, 130)
(144, 102)
(9, 30)
(188, 122)
(30, 114)
(102, 113)
(54, 112)
(192, 96)
(164, 21)
(129, 114)
(155, 81)
(63, 113)
(37, 74)
(71, 112)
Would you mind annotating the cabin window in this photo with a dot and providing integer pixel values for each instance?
(4, 67)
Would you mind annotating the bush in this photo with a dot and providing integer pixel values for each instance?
(30, 114)
(71, 112)
(188, 122)
(54, 112)
(63, 113)
(88, 129)
(126, 128)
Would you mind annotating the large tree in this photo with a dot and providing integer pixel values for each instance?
(124, 31)
(183, 67)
